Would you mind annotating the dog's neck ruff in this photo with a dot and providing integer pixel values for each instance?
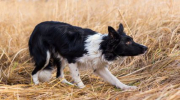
(93, 58)
(92, 45)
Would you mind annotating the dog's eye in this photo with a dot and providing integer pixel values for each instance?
(129, 42)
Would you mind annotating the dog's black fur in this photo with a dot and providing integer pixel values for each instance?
(57, 37)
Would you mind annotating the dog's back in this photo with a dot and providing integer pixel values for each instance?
(59, 36)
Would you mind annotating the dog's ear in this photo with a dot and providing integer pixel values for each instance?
(112, 33)
(120, 29)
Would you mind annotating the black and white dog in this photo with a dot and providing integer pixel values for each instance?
(57, 44)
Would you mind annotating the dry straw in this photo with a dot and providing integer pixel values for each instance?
(154, 23)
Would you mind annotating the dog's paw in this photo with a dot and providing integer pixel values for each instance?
(66, 82)
(36, 82)
(126, 88)
(80, 85)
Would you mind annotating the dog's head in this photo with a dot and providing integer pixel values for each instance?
(120, 44)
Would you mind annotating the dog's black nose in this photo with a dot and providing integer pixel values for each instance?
(145, 48)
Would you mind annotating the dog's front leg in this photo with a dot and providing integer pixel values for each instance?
(75, 75)
(110, 78)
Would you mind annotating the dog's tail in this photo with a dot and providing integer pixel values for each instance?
(38, 47)
(40, 51)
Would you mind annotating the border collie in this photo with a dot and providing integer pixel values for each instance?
(57, 44)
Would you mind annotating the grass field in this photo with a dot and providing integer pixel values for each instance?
(154, 23)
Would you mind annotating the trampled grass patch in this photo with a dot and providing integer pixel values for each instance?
(154, 23)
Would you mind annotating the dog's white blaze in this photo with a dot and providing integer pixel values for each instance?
(37, 76)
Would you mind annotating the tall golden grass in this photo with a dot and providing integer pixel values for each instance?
(154, 23)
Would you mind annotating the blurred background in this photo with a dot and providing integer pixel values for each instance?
(154, 23)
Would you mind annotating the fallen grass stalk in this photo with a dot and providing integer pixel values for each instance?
(154, 23)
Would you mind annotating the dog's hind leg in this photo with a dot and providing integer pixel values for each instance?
(40, 63)
(60, 67)
(62, 78)
(110, 78)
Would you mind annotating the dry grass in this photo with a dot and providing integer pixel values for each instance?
(155, 23)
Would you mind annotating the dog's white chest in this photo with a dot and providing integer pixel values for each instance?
(93, 62)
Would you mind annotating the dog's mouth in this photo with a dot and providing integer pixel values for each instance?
(144, 52)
